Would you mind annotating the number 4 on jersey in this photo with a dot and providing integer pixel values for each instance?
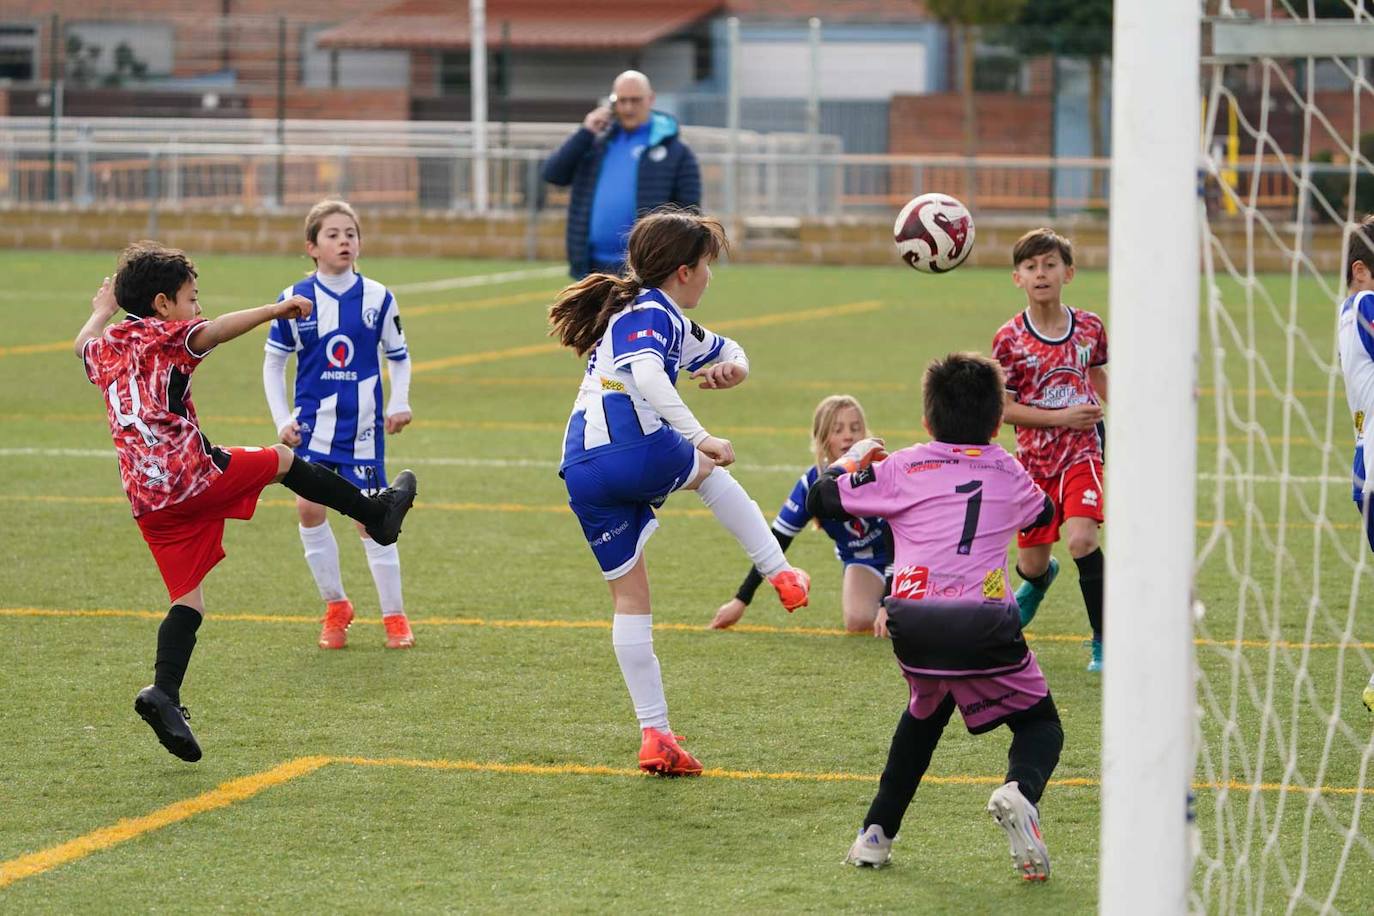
(131, 418)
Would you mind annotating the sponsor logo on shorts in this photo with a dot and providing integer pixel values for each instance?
(606, 536)
(995, 584)
(610, 384)
(1090, 497)
(975, 708)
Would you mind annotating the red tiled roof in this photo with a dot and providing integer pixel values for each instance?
(443, 24)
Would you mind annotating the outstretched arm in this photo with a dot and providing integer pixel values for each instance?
(103, 308)
(210, 334)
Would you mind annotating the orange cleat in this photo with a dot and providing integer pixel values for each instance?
(794, 588)
(661, 754)
(398, 635)
(337, 616)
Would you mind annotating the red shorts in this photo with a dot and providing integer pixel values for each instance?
(186, 538)
(1076, 493)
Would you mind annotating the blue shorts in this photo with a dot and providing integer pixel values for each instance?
(614, 495)
(368, 476)
(881, 567)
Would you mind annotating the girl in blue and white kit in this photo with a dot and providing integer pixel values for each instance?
(631, 441)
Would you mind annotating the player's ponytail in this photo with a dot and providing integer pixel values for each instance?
(659, 244)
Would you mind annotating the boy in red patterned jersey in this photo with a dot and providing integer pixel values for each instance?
(180, 486)
(1054, 357)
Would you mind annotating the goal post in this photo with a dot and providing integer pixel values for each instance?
(1148, 696)
(1237, 757)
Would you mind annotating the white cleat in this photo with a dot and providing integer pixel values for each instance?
(872, 848)
(1018, 817)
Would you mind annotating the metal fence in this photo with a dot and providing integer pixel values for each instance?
(183, 163)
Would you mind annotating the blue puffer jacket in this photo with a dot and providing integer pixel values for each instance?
(668, 173)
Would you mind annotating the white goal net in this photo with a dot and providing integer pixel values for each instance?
(1284, 577)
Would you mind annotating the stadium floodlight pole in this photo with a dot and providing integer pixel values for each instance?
(478, 37)
(1148, 694)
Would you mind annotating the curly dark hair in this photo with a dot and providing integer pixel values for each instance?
(146, 269)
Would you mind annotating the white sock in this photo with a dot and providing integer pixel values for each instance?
(741, 516)
(633, 638)
(322, 555)
(385, 563)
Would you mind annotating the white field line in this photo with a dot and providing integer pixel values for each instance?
(510, 276)
(395, 461)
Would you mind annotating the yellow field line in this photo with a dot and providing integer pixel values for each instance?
(663, 627)
(24, 349)
(488, 356)
(235, 790)
(245, 787)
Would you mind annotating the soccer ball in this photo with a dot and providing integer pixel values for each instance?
(934, 233)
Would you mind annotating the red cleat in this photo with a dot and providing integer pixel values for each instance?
(661, 754)
(794, 588)
(337, 616)
(398, 635)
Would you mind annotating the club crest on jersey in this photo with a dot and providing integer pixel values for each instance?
(370, 317)
(1085, 353)
(338, 350)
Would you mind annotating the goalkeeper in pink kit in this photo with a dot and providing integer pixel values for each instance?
(954, 505)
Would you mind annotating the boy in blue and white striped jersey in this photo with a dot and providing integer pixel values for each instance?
(337, 420)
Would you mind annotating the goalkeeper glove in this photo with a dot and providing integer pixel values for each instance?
(860, 455)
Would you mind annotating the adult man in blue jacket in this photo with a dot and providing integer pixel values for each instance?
(622, 162)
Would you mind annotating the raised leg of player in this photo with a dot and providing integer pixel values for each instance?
(861, 598)
(741, 516)
(381, 514)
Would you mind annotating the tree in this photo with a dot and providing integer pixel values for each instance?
(1071, 28)
(967, 16)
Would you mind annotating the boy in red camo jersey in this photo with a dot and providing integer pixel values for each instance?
(180, 486)
(1054, 358)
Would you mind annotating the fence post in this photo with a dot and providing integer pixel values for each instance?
(281, 111)
(154, 191)
(532, 188)
(54, 106)
(732, 119)
(813, 118)
(81, 183)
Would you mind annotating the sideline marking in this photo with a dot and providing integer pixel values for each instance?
(666, 512)
(545, 623)
(25, 349)
(478, 304)
(245, 787)
(510, 276)
(222, 796)
(488, 356)
(448, 461)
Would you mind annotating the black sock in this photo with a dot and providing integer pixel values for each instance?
(1090, 582)
(1041, 581)
(907, 760)
(323, 486)
(176, 637)
(1037, 738)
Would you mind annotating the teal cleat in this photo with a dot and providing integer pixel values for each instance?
(1095, 662)
(1028, 597)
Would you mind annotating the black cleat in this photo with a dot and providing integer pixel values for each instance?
(396, 501)
(168, 721)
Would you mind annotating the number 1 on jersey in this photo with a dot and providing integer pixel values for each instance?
(135, 406)
(975, 505)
